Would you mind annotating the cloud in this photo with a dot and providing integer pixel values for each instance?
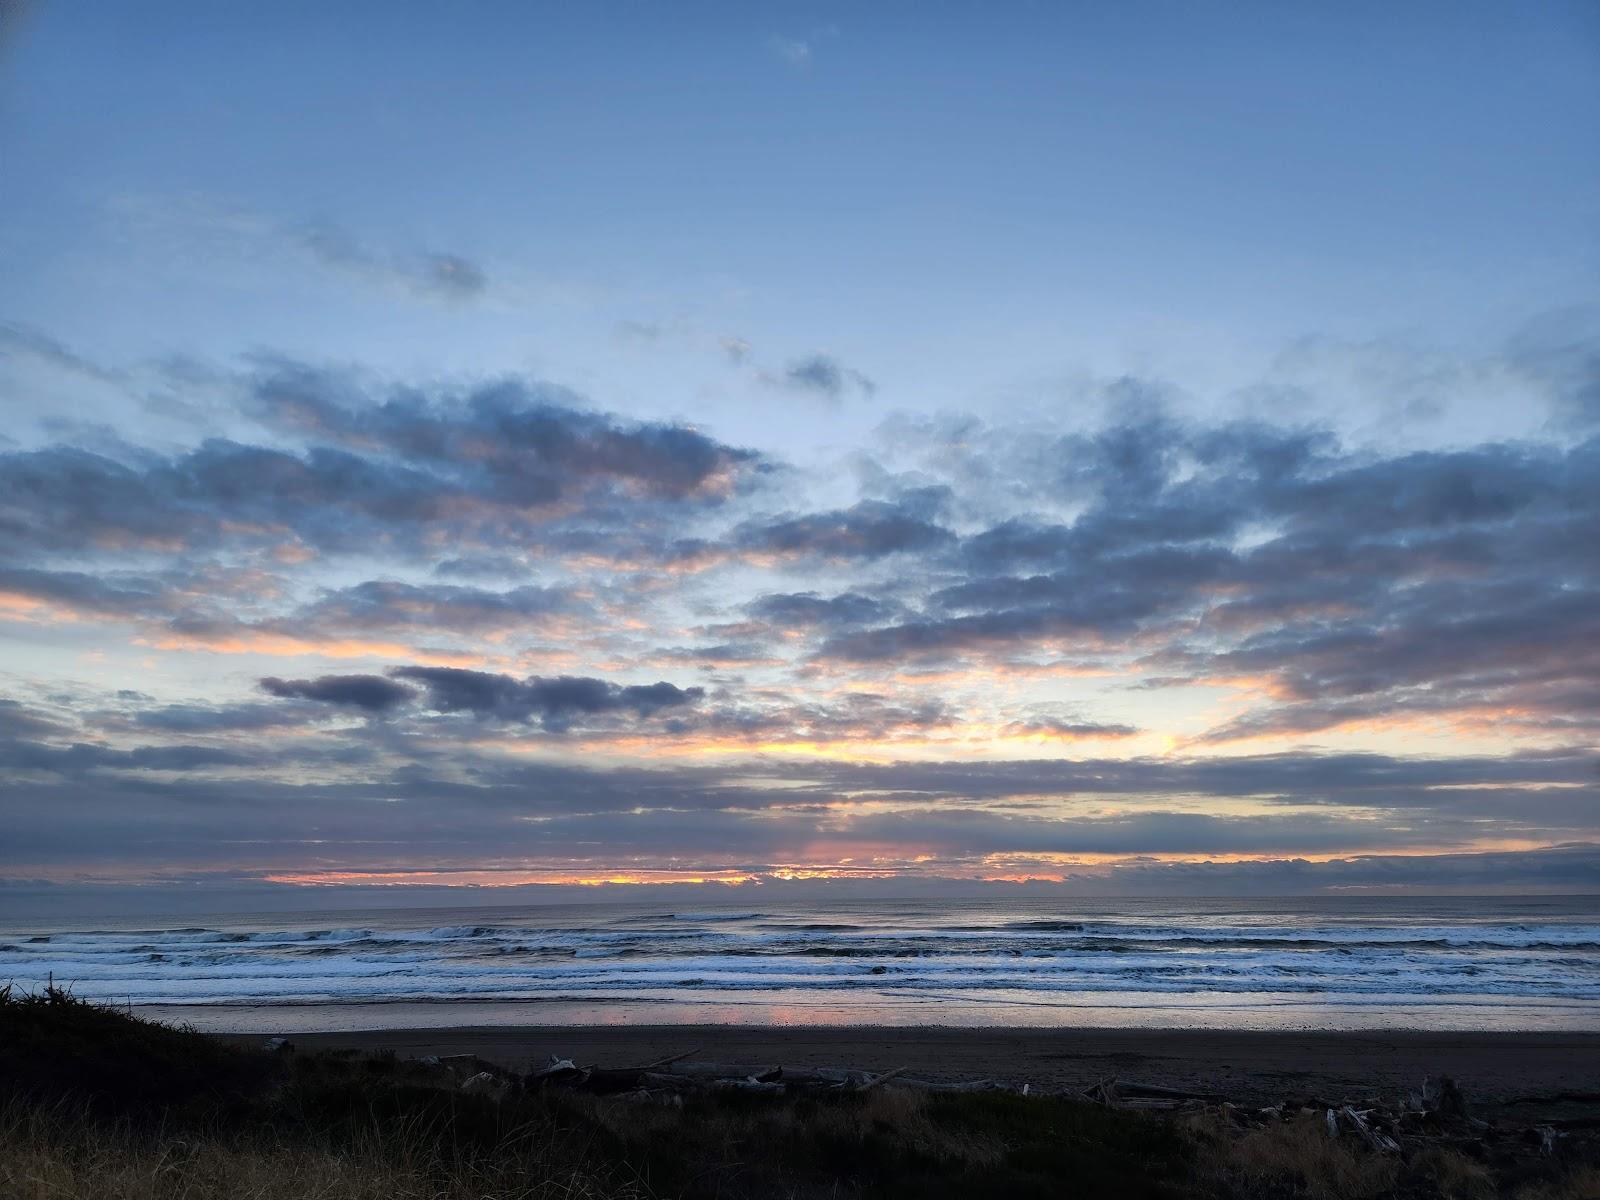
(555, 703)
(526, 443)
(1067, 728)
(487, 467)
(495, 561)
(386, 604)
(372, 693)
(18, 722)
(428, 274)
(1350, 588)
(203, 719)
(19, 341)
(794, 51)
(102, 809)
(800, 52)
(825, 376)
(212, 230)
(806, 610)
(1560, 353)
(868, 530)
(1558, 871)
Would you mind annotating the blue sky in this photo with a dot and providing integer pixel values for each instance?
(941, 315)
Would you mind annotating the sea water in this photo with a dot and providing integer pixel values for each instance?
(1501, 963)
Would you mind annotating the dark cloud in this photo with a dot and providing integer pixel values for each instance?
(1048, 725)
(1560, 353)
(1352, 588)
(870, 529)
(980, 833)
(432, 275)
(19, 341)
(1360, 780)
(826, 376)
(255, 806)
(804, 610)
(111, 593)
(1560, 871)
(482, 469)
(373, 693)
(201, 719)
(63, 499)
(723, 653)
(214, 607)
(523, 444)
(1329, 588)
(481, 566)
(853, 718)
(391, 604)
(556, 702)
(18, 722)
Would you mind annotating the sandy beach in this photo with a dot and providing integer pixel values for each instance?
(1529, 1071)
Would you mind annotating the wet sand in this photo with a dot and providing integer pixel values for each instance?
(1525, 1070)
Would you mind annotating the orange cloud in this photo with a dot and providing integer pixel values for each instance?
(279, 645)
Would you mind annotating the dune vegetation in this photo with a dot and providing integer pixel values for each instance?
(95, 1103)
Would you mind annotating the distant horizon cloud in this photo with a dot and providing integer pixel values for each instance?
(1558, 871)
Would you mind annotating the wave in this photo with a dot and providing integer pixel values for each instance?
(717, 916)
(866, 952)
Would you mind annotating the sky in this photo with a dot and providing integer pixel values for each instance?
(1140, 448)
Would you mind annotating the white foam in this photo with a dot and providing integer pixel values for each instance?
(877, 955)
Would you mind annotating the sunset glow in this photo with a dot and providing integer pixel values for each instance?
(934, 458)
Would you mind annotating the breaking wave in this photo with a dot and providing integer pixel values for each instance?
(907, 950)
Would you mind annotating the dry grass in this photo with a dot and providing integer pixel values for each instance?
(1454, 1175)
(53, 1153)
(889, 1115)
(889, 1143)
(1299, 1158)
(99, 1106)
(1582, 1184)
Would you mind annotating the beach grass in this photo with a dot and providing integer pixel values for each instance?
(95, 1103)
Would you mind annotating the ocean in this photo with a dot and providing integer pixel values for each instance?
(1348, 963)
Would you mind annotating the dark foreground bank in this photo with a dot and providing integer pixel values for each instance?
(1522, 1072)
(97, 1104)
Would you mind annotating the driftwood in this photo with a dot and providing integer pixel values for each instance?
(485, 1084)
(669, 1060)
(1434, 1114)
(1374, 1139)
(558, 1070)
(824, 1076)
(711, 1070)
(1436, 1111)
(770, 1087)
(1104, 1092)
(1155, 1091)
(879, 1080)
